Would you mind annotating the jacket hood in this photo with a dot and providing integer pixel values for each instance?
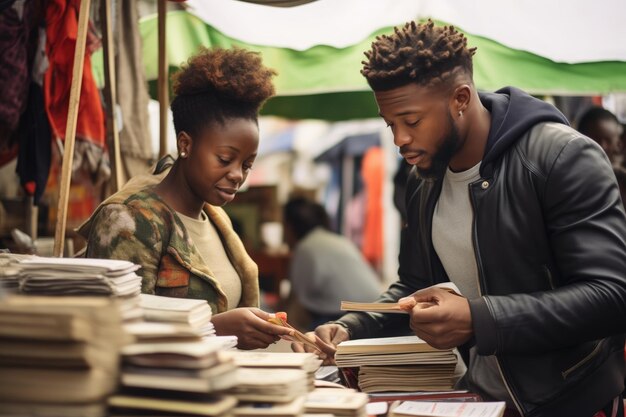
(513, 112)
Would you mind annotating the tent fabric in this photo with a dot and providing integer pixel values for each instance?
(324, 81)
(552, 29)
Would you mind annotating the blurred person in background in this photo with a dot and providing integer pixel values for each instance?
(326, 268)
(603, 127)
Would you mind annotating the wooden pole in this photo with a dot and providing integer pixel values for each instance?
(110, 95)
(70, 130)
(163, 85)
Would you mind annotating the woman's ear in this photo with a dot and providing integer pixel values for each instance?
(184, 144)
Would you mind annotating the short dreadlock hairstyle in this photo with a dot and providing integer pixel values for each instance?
(219, 84)
(423, 53)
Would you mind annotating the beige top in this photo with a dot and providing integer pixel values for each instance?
(211, 249)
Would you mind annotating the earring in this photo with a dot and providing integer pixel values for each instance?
(183, 154)
(460, 113)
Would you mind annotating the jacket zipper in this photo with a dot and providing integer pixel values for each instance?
(481, 279)
(583, 361)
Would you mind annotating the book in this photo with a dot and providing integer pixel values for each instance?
(52, 410)
(293, 408)
(439, 396)
(192, 355)
(339, 402)
(56, 386)
(447, 409)
(394, 308)
(54, 354)
(372, 307)
(216, 378)
(269, 385)
(385, 345)
(215, 406)
(257, 359)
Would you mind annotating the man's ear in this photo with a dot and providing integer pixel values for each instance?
(460, 100)
(184, 143)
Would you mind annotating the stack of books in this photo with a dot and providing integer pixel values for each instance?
(34, 275)
(59, 356)
(183, 312)
(404, 363)
(273, 383)
(176, 377)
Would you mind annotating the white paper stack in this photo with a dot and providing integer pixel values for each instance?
(10, 271)
(181, 311)
(80, 276)
(404, 363)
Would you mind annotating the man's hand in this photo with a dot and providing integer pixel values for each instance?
(326, 337)
(440, 318)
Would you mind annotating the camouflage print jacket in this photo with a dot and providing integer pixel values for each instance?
(136, 225)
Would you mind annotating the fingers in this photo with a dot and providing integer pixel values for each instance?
(297, 347)
(263, 315)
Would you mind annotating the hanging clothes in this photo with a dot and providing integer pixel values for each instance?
(373, 173)
(135, 141)
(16, 28)
(62, 31)
(35, 153)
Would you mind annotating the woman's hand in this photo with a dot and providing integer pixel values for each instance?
(251, 327)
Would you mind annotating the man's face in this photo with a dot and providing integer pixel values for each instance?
(607, 133)
(422, 127)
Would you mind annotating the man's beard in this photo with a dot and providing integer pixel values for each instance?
(441, 159)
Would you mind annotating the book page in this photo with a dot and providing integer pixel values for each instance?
(446, 409)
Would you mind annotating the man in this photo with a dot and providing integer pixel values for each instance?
(603, 127)
(325, 267)
(521, 212)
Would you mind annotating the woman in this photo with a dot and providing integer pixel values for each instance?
(174, 227)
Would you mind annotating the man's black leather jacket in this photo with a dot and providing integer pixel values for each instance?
(550, 243)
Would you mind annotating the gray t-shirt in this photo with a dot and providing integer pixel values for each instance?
(452, 239)
(327, 268)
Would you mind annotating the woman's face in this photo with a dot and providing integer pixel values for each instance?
(220, 158)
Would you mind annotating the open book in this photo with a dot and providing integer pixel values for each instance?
(391, 307)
